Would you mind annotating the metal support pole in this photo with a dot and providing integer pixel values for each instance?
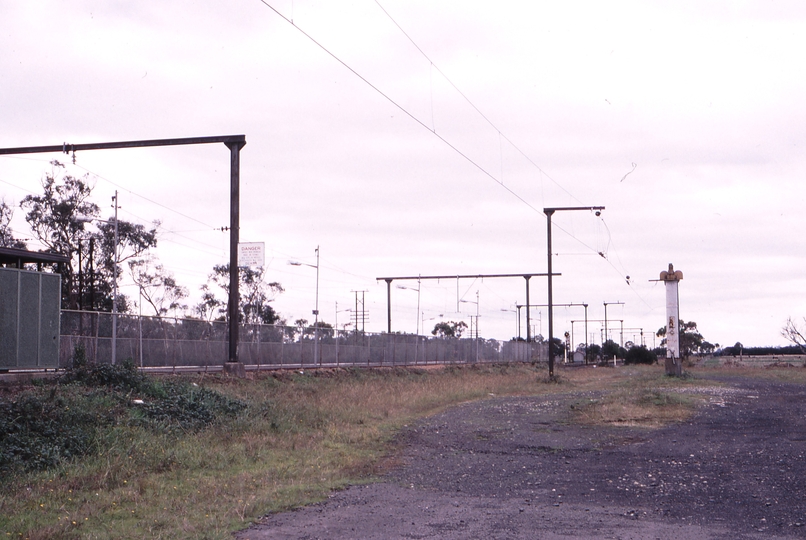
(572, 334)
(234, 237)
(586, 333)
(234, 143)
(519, 321)
(621, 334)
(549, 213)
(388, 305)
(316, 358)
(606, 337)
(528, 319)
(115, 286)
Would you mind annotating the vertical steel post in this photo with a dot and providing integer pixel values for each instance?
(528, 307)
(115, 284)
(519, 321)
(234, 297)
(587, 337)
(388, 306)
(317, 360)
(549, 213)
(621, 334)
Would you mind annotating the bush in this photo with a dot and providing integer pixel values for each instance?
(68, 418)
(640, 355)
(124, 376)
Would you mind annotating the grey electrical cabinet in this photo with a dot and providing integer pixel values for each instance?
(29, 319)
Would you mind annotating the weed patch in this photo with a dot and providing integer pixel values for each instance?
(66, 419)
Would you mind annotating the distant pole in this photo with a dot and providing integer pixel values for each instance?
(388, 305)
(317, 360)
(519, 321)
(115, 286)
(586, 333)
(549, 213)
(80, 280)
(605, 319)
(621, 334)
(528, 319)
(92, 274)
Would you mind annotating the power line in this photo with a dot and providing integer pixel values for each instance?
(145, 198)
(400, 107)
(440, 137)
(500, 133)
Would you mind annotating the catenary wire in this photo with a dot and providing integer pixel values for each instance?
(401, 108)
(473, 105)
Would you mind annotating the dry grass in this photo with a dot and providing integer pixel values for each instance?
(301, 436)
(783, 372)
(641, 396)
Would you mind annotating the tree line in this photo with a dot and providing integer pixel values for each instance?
(59, 218)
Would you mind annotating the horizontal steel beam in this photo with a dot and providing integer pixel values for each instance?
(68, 147)
(474, 276)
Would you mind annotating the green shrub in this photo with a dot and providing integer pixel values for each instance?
(70, 417)
(640, 355)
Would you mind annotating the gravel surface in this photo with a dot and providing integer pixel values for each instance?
(516, 468)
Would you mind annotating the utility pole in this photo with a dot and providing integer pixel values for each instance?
(360, 315)
(115, 286)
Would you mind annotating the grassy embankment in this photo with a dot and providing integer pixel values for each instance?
(203, 456)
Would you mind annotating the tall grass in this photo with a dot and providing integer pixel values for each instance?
(299, 436)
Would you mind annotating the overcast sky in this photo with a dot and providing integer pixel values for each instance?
(684, 119)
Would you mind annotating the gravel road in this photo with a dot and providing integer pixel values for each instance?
(515, 468)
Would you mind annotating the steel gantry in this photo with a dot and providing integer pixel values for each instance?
(527, 276)
(234, 143)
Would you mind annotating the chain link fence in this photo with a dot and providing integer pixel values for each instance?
(159, 342)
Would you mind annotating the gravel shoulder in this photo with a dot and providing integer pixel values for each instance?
(517, 468)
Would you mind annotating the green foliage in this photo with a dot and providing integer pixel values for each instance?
(557, 347)
(449, 329)
(7, 238)
(189, 408)
(39, 430)
(691, 341)
(594, 351)
(158, 287)
(122, 377)
(58, 219)
(640, 355)
(611, 349)
(67, 418)
(255, 296)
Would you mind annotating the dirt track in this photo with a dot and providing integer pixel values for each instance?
(515, 468)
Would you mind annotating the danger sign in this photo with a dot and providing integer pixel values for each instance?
(251, 253)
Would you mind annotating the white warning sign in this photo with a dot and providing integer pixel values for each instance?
(251, 253)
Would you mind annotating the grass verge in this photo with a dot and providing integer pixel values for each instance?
(641, 396)
(203, 456)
